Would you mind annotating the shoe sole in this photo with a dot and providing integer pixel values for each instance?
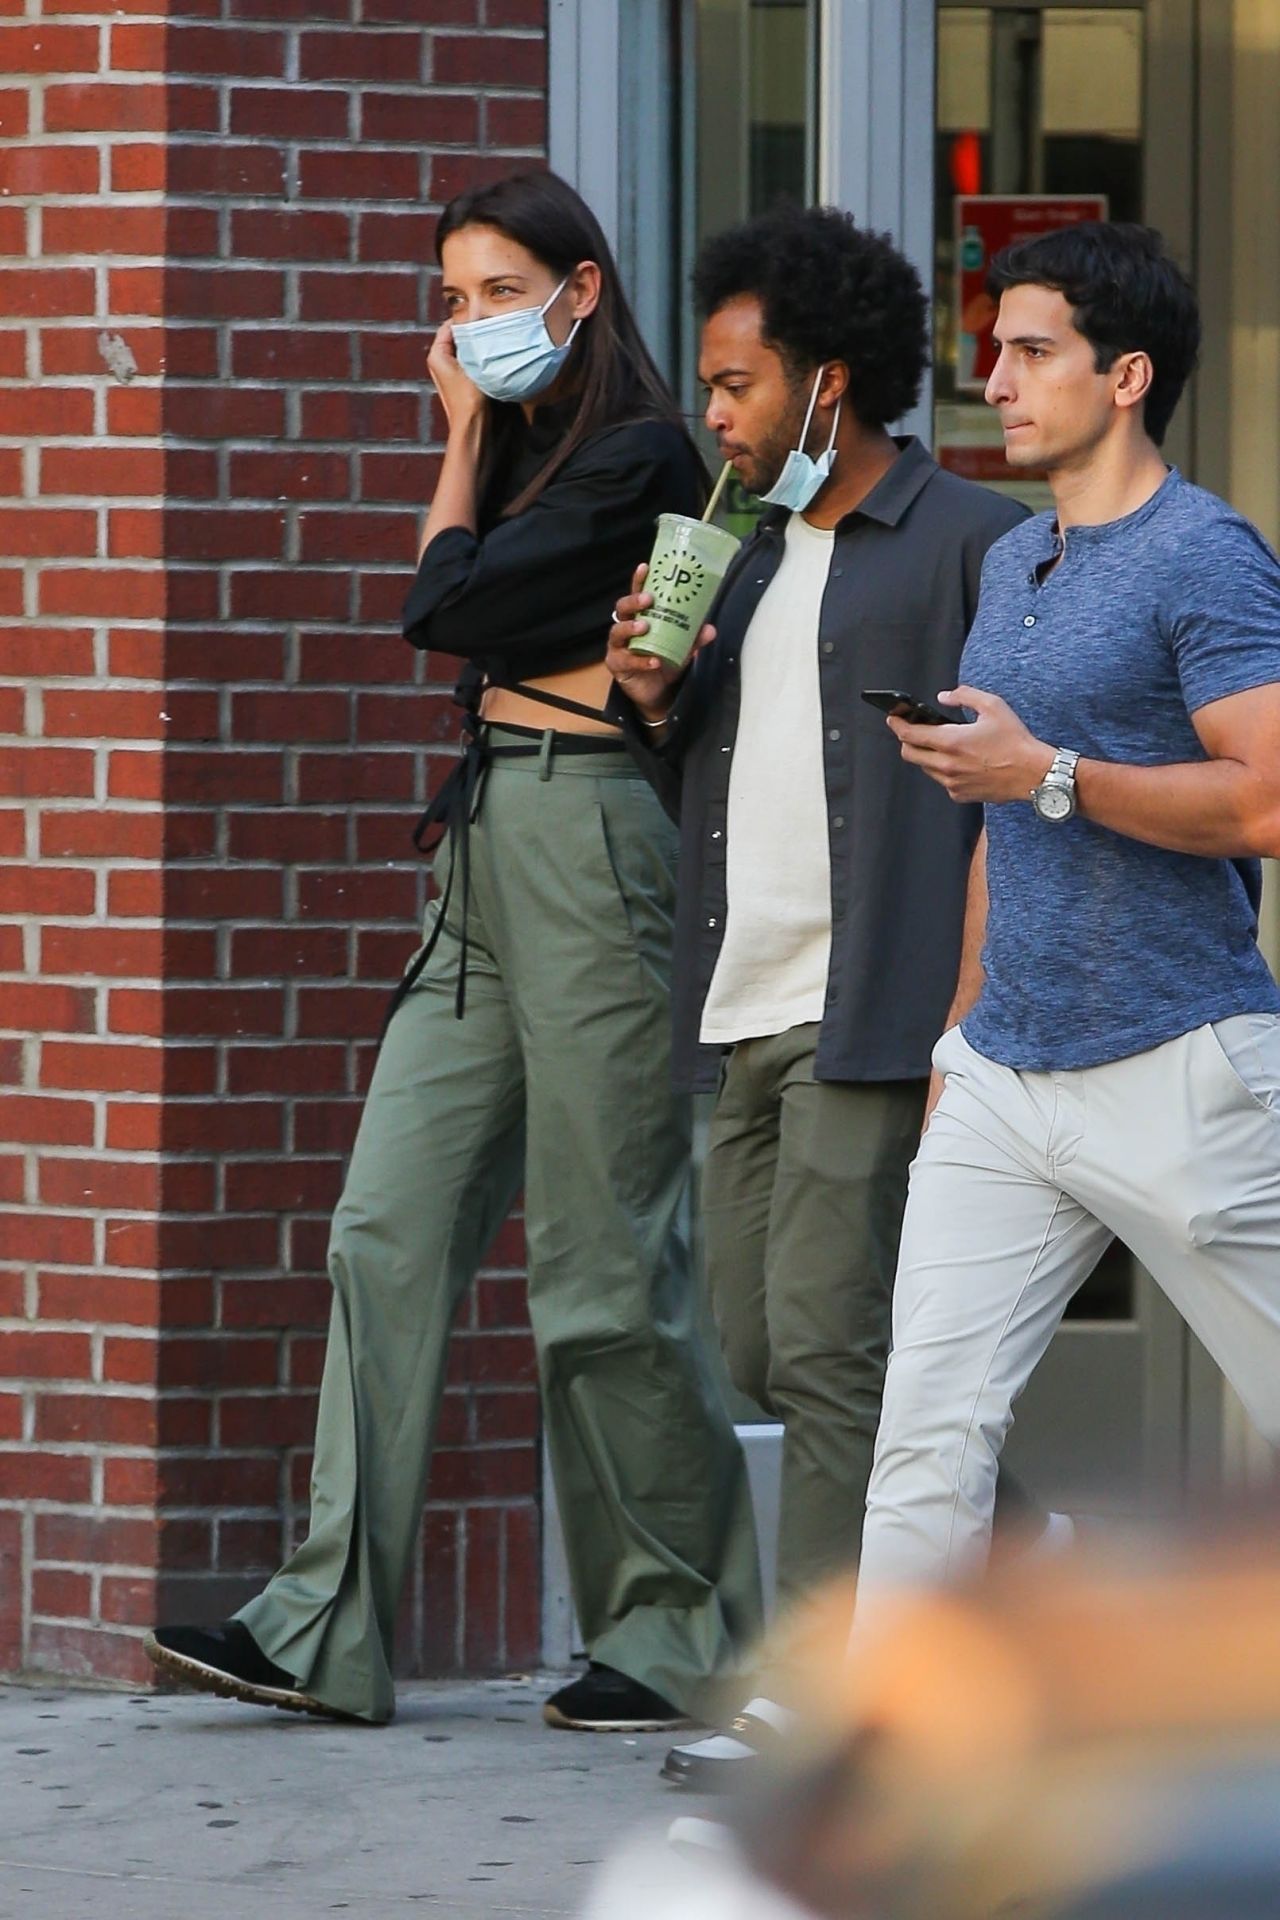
(705, 1778)
(207, 1679)
(554, 1718)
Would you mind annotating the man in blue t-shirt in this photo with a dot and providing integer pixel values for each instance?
(1113, 1062)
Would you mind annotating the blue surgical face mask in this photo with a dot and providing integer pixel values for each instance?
(802, 477)
(511, 356)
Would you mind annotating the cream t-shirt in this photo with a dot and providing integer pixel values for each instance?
(772, 969)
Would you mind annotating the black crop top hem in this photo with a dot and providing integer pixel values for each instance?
(533, 594)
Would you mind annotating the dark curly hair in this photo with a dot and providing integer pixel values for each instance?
(828, 290)
(1128, 296)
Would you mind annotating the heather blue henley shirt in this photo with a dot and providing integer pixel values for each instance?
(1099, 946)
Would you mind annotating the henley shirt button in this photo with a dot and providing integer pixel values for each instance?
(1028, 619)
(836, 572)
(838, 820)
(834, 734)
(828, 646)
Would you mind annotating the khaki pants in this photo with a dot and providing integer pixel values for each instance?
(558, 1076)
(1021, 1181)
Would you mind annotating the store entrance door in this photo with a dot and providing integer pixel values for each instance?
(1049, 114)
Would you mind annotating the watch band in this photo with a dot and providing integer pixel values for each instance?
(1054, 799)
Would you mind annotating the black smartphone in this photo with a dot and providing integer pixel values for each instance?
(920, 713)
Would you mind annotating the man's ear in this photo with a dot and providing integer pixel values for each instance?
(1133, 374)
(835, 383)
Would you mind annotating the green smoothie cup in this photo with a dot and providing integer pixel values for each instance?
(689, 560)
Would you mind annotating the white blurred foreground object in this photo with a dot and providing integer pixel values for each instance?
(651, 1881)
(1093, 1736)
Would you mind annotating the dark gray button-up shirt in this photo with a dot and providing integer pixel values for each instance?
(900, 595)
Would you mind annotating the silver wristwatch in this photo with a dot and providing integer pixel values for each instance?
(1055, 798)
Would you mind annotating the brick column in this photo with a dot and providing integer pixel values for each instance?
(215, 442)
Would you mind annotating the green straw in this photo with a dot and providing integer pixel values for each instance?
(717, 490)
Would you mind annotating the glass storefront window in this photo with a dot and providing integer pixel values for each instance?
(718, 120)
(1039, 124)
(755, 83)
(749, 140)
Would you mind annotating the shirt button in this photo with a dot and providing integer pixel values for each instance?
(838, 820)
(716, 834)
(1028, 620)
(711, 922)
(834, 734)
(828, 646)
(836, 572)
(724, 749)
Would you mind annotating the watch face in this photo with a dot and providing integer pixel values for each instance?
(1054, 803)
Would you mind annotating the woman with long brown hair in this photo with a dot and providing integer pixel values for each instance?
(528, 1041)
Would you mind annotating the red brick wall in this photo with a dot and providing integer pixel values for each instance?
(214, 448)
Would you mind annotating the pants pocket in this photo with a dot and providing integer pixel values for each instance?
(640, 851)
(945, 1055)
(1248, 1046)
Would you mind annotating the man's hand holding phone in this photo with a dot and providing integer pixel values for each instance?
(647, 681)
(993, 758)
(904, 706)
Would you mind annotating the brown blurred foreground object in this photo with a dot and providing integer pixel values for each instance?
(1098, 1740)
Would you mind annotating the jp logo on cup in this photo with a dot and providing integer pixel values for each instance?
(683, 581)
(689, 560)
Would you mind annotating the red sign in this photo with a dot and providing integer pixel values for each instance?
(985, 222)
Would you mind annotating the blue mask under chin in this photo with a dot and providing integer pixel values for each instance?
(802, 477)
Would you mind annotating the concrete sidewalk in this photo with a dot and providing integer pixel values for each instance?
(182, 1807)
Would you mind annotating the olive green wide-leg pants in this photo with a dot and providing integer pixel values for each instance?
(558, 1075)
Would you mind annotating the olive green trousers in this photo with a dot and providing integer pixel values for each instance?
(803, 1194)
(557, 1076)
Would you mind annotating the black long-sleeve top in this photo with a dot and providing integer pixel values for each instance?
(533, 594)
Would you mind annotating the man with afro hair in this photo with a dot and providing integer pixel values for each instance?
(821, 891)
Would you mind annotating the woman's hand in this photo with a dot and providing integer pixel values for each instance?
(646, 680)
(461, 398)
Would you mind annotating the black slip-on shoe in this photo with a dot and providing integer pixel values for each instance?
(602, 1700)
(227, 1660)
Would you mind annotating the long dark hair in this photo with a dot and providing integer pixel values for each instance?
(609, 373)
